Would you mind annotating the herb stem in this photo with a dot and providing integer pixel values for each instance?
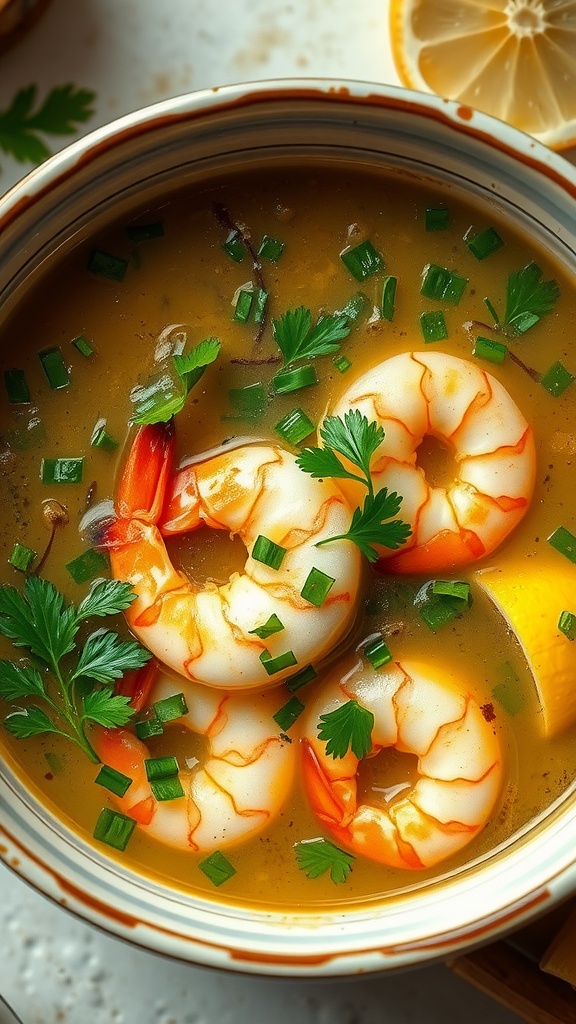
(523, 366)
(225, 219)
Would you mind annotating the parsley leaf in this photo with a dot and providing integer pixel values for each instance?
(368, 526)
(348, 727)
(63, 109)
(30, 721)
(106, 597)
(18, 680)
(316, 856)
(164, 394)
(191, 366)
(105, 657)
(528, 299)
(108, 711)
(297, 339)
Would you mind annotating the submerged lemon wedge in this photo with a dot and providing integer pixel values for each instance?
(515, 59)
(531, 598)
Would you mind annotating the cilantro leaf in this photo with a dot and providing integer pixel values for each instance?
(29, 721)
(20, 680)
(528, 299)
(323, 462)
(105, 657)
(106, 708)
(354, 437)
(316, 856)
(63, 109)
(348, 727)
(192, 365)
(164, 394)
(297, 339)
(38, 619)
(369, 527)
(107, 597)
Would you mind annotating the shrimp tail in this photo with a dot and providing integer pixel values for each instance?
(144, 480)
(138, 684)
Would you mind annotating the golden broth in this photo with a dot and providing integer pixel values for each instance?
(185, 278)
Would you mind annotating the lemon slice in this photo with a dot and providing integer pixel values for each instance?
(531, 598)
(515, 59)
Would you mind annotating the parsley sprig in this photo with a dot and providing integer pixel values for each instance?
(298, 339)
(74, 686)
(317, 856)
(63, 109)
(348, 727)
(357, 440)
(528, 299)
(164, 395)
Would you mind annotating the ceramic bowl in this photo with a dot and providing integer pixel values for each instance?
(172, 143)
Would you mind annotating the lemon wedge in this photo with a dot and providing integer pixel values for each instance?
(532, 597)
(514, 59)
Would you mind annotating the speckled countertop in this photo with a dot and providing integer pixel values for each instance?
(55, 969)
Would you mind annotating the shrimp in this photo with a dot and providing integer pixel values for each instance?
(208, 633)
(430, 393)
(418, 710)
(232, 793)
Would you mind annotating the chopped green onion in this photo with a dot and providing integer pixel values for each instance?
(279, 663)
(169, 788)
(16, 387)
(387, 306)
(259, 305)
(169, 709)
(243, 306)
(21, 557)
(524, 321)
(342, 363)
(270, 249)
(357, 306)
(363, 260)
(442, 285)
(54, 367)
(440, 601)
(433, 326)
(378, 653)
(62, 471)
(160, 767)
(147, 727)
(484, 243)
(143, 232)
(106, 265)
(294, 426)
(114, 828)
(234, 247)
(491, 310)
(116, 782)
(564, 542)
(508, 691)
(248, 403)
(567, 624)
(83, 346)
(452, 588)
(557, 379)
(269, 628)
(292, 380)
(305, 675)
(159, 399)
(102, 439)
(317, 587)
(438, 613)
(88, 565)
(288, 713)
(437, 218)
(268, 552)
(493, 351)
(217, 868)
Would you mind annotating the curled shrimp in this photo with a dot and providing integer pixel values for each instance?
(207, 632)
(418, 709)
(233, 792)
(430, 393)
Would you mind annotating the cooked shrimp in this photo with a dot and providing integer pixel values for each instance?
(207, 633)
(231, 794)
(418, 710)
(430, 393)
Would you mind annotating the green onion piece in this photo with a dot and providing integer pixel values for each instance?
(114, 828)
(278, 664)
(305, 675)
(341, 363)
(452, 588)
(21, 557)
(357, 306)
(292, 380)
(147, 727)
(440, 601)
(53, 364)
(243, 306)
(234, 247)
(102, 439)
(271, 626)
(378, 653)
(83, 346)
(144, 232)
(491, 310)
(387, 306)
(493, 351)
(442, 285)
(567, 624)
(248, 403)
(508, 692)
(433, 326)
(564, 542)
(438, 613)
(169, 709)
(169, 788)
(484, 243)
(88, 565)
(288, 713)
(524, 321)
(115, 781)
(294, 426)
(362, 261)
(16, 387)
(557, 379)
(106, 265)
(437, 218)
(217, 868)
(270, 249)
(259, 305)
(268, 552)
(62, 471)
(160, 767)
(159, 399)
(317, 587)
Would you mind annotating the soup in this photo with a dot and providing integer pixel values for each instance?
(293, 739)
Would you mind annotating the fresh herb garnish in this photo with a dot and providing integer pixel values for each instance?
(63, 109)
(317, 856)
(75, 692)
(164, 397)
(528, 299)
(298, 339)
(348, 727)
(357, 440)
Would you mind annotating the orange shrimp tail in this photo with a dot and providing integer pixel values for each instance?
(144, 480)
(446, 550)
(138, 684)
(182, 505)
(319, 789)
